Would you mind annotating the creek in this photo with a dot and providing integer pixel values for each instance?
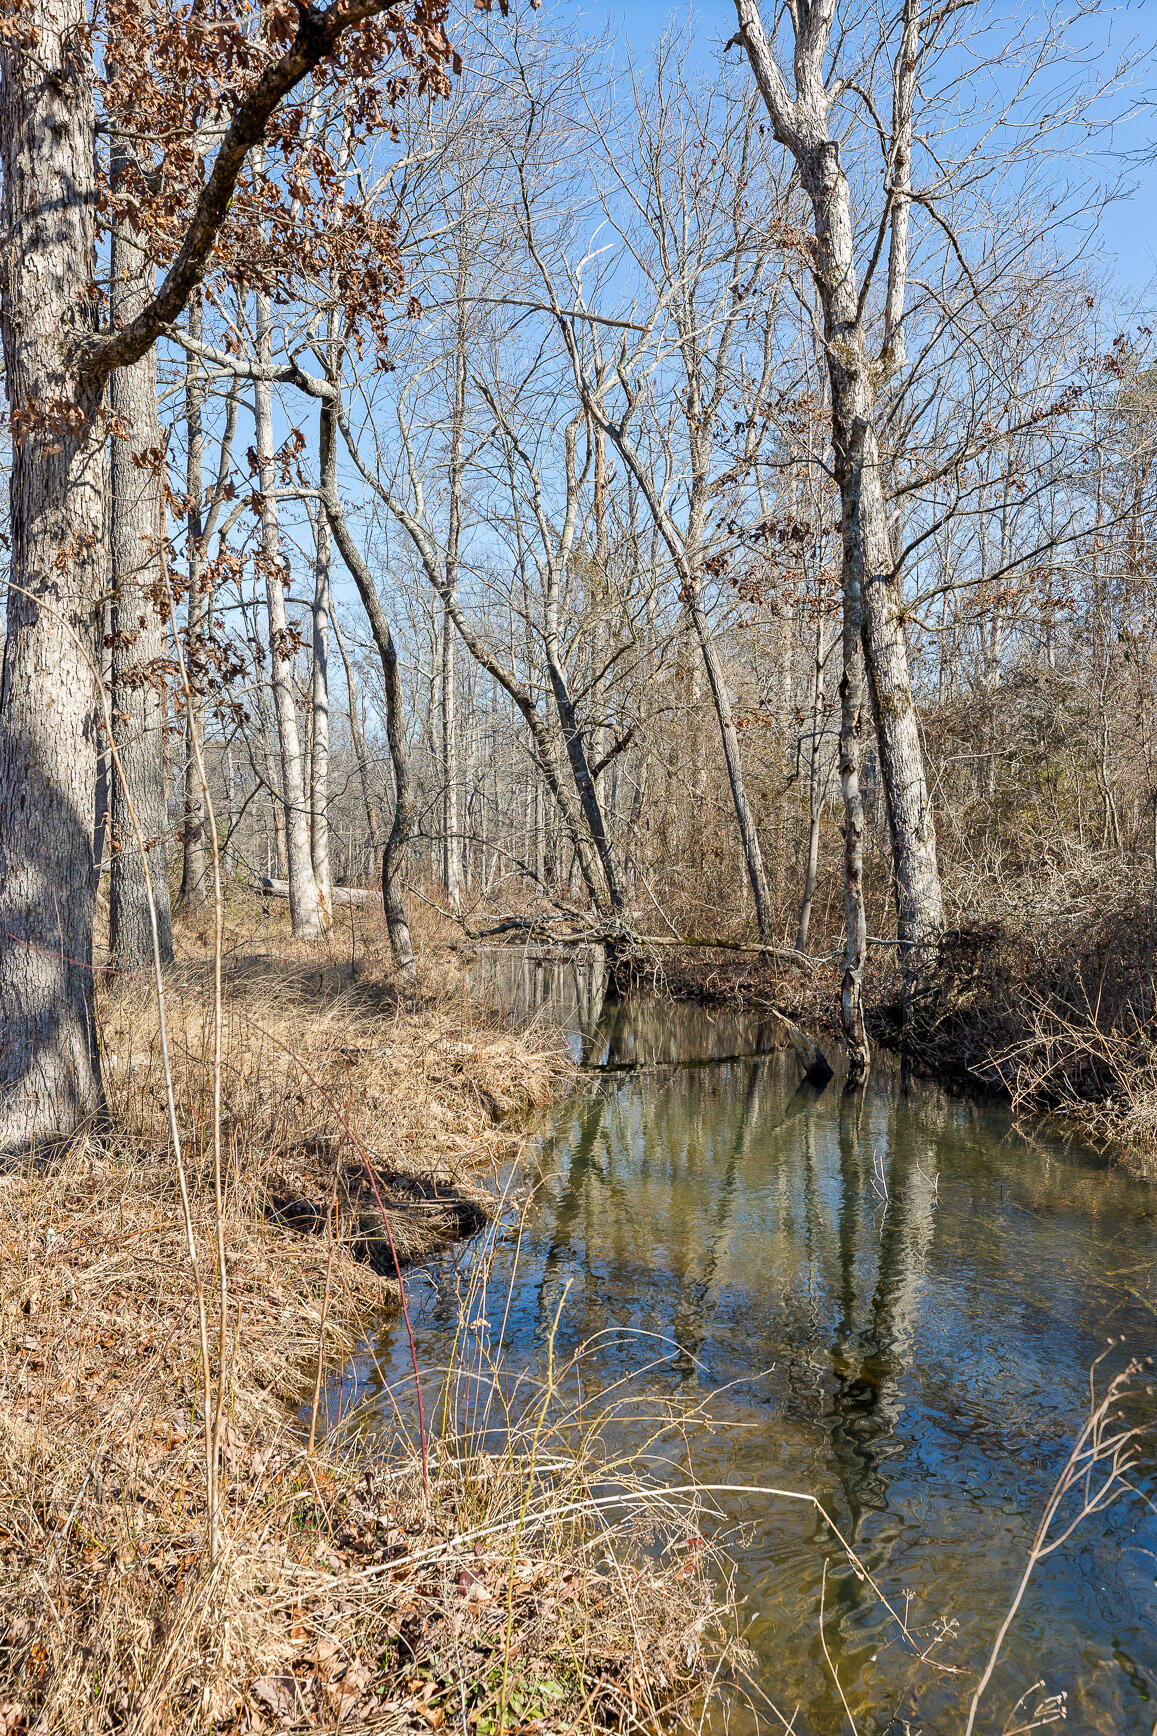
(891, 1300)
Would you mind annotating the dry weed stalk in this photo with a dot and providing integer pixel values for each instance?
(1099, 1472)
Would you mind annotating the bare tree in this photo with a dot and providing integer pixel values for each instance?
(308, 915)
(802, 123)
(319, 720)
(699, 235)
(394, 854)
(49, 1070)
(138, 547)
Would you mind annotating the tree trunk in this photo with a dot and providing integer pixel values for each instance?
(749, 837)
(801, 126)
(686, 552)
(1152, 980)
(919, 899)
(304, 908)
(357, 741)
(855, 919)
(276, 805)
(140, 820)
(100, 842)
(230, 820)
(870, 562)
(545, 746)
(194, 872)
(452, 841)
(49, 1069)
(584, 783)
(451, 776)
(319, 759)
(813, 793)
(397, 844)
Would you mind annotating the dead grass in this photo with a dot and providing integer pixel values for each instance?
(496, 1594)
(1044, 993)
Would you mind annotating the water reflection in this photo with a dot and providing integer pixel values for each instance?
(524, 983)
(888, 1299)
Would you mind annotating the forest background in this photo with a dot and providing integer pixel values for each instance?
(561, 492)
(741, 459)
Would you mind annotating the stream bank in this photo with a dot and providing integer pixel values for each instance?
(1060, 1030)
(358, 1114)
(896, 1301)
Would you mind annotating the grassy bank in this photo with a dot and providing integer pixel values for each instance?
(175, 1553)
(1044, 992)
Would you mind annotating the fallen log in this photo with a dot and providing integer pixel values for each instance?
(625, 940)
(812, 1059)
(266, 888)
(789, 955)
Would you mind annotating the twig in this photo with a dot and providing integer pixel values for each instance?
(321, 1342)
(1091, 1451)
(827, 1654)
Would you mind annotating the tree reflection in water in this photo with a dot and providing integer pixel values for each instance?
(889, 1299)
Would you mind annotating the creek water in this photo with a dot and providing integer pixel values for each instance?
(892, 1301)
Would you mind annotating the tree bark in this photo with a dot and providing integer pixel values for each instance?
(451, 777)
(397, 844)
(855, 919)
(801, 126)
(194, 872)
(140, 611)
(919, 899)
(56, 366)
(49, 1069)
(748, 833)
(304, 907)
(576, 754)
(811, 870)
(100, 843)
(357, 741)
(452, 852)
(272, 781)
(319, 695)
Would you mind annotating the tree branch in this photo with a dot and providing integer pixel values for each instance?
(318, 35)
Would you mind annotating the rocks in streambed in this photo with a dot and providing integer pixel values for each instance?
(386, 1217)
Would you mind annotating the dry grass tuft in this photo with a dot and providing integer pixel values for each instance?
(342, 1592)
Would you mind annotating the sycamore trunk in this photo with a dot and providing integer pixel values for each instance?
(49, 1070)
(138, 868)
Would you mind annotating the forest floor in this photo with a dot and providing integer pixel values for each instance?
(176, 1551)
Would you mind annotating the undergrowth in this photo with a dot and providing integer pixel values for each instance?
(177, 1550)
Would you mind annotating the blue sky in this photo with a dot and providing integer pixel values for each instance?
(1128, 247)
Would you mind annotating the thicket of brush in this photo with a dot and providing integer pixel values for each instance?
(1044, 991)
(176, 1552)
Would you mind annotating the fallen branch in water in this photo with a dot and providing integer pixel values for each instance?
(623, 942)
(690, 1061)
(787, 954)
